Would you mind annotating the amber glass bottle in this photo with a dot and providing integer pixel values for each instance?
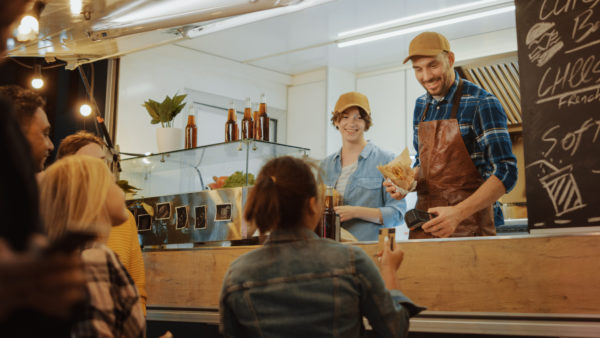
(263, 119)
(191, 133)
(231, 127)
(247, 123)
(329, 216)
(257, 128)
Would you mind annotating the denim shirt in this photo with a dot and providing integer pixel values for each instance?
(365, 189)
(300, 285)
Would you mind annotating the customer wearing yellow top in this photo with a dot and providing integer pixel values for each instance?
(123, 239)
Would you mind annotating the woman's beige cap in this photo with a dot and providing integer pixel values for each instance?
(352, 99)
(427, 44)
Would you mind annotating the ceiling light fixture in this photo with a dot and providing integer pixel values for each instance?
(29, 25)
(429, 22)
(443, 12)
(143, 16)
(243, 19)
(76, 7)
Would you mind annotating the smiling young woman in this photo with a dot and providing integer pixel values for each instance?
(352, 171)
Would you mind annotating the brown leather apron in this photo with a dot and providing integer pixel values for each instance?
(447, 175)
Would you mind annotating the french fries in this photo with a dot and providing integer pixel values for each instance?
(399, 171)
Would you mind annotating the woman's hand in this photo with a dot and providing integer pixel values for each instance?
(348, 212)
(390, 260)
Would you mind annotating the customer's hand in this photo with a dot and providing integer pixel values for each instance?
(390, 260)
(51, 284)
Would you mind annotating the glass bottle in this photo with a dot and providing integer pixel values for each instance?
(247, 123)
(263, 119)
(231, 127)
(257, 128)
(330, 228)
(191, 133)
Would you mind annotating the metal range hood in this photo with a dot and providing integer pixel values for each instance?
(502, 80)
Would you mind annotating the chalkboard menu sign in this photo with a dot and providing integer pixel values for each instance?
(559, 66)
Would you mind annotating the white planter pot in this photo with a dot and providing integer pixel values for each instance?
(169, 139)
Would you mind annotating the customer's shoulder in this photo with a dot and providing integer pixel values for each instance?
(344, 251)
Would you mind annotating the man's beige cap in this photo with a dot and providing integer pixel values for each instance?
(427, 44)
(352, 99)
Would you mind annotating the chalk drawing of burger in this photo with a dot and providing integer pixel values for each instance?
(543, 42)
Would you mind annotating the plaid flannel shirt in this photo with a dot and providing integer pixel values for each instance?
(113, 308)
(482, 123)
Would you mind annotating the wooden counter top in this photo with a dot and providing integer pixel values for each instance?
(521, 274)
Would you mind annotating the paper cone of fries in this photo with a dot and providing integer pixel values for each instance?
(399, 171)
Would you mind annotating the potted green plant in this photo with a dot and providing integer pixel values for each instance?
(167, 137)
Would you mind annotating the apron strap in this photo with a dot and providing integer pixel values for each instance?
(455, 102)
(425, 112)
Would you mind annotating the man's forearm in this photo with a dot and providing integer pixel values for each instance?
(488, 193)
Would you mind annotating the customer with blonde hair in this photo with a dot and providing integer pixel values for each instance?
(79, 194)
(123, 238)
(300, 285)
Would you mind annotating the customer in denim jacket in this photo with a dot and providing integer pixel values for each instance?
(300, 285)
(353, 172)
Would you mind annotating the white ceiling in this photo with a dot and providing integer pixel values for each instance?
(292, 43)
(304, 41)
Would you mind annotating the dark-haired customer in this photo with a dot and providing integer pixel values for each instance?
(29, 112)
(37, 292)
(300, 285)
(352, 171)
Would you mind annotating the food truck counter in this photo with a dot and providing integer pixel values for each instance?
(519, 285)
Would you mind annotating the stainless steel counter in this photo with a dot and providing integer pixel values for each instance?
(522, 324)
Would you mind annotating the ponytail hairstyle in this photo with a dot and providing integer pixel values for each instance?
(281, 193)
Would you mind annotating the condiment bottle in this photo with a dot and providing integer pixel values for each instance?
(263, 119)
(331, 228)
(231, 127)
(191, 133)
(257, 128)
(247, 124)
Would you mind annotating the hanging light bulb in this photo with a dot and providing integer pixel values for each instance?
(28, 29)
(85, 109)
(29, 26)
(37, 82)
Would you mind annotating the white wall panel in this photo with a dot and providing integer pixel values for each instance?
(386, 93)
(339, 82)
(305, 127)
(170, 69)
(413, 91)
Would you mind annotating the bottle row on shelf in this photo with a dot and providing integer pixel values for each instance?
(254, 126)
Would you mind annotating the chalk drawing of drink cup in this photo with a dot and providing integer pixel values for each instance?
(561, 187)
(543, 42)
